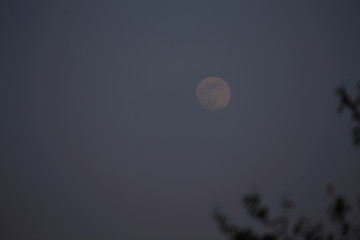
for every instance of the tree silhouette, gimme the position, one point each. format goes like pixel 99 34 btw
pixel 346 102
pixel 280 227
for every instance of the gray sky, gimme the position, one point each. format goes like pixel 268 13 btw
pixel 102 136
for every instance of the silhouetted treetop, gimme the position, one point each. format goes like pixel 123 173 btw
pixel 279 227
pixel 353 104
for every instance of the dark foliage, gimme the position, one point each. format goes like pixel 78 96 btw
pixel 279 227
pixel 346 102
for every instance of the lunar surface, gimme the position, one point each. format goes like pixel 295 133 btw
pixel 213 93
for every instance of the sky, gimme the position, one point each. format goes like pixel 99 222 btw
pixel 102 136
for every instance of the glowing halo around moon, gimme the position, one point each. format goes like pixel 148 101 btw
pixel 213 93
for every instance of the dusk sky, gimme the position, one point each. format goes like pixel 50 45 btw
pixel 102 136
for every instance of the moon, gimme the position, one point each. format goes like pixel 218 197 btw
pixel 213 93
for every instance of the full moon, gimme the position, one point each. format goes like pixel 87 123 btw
pixel 213 93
